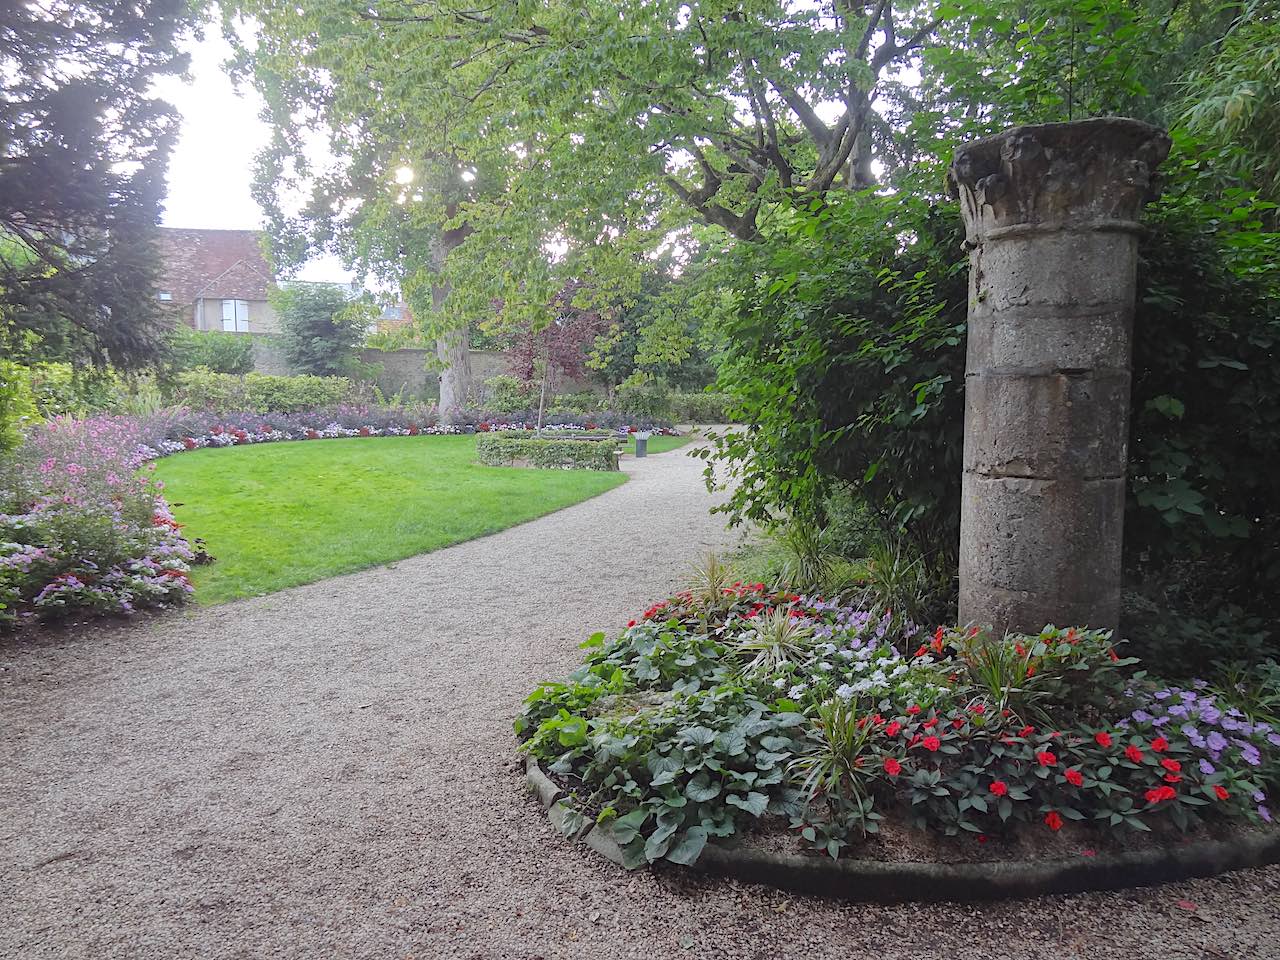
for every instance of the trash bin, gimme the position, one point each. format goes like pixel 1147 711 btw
pixel 642 442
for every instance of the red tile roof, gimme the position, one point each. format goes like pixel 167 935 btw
pixel 215 264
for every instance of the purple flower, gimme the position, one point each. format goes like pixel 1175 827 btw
pixel 1264 813
pixel 1160 721
pixel 1207 768
pixel 1162 695
pixel 1209 713
pixel 1259 796
pixel 1217 742
pixel 1273 739
pixel 1141 716
pixel 1251 756
pixel 1188 695
pixel 1230 723
pixel 1178 710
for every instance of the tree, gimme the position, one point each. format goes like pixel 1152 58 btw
pixel 321 327
pixel 83 149
pixel 561 140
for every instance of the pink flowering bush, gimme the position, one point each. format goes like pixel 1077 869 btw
pixel 83 528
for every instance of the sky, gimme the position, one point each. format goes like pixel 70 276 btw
pixel 211 168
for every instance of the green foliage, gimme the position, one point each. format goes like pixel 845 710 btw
pixel 701 408
pixel 507 394
pixel 17 405
pixel 260 393
pixel 510 447
pixel 321 326
pixel 212 349
pixel 644 401
pixel 576 403
pixel 725 709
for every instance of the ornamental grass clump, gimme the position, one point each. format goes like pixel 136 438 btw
pixel 758 709
pixel 83 528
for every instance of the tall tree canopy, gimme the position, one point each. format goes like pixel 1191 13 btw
pixel 563 138
pixel 83 149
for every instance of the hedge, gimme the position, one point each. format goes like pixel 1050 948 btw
pixel 700 408
pixel 260 392
pixel 586 452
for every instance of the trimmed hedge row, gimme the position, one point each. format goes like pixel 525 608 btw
pixel 564 452
pixel 260 392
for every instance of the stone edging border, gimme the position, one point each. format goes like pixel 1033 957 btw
pixel 884 882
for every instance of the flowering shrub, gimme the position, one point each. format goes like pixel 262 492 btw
pixel 720 708
pixel 177 429
pixel 81 530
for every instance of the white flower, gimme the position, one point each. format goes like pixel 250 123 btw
pixel 844 692
pixel 824 665
pixel 779 683
pixel 797 691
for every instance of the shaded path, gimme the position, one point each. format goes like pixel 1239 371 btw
pixel 328 772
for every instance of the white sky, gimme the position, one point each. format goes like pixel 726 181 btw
pixel 211 168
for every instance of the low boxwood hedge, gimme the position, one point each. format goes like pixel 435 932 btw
pixel 574 451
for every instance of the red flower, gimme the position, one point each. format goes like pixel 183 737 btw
pixel 958 722
pixel 189 443
pixel 1159 744
pixel 978 708
pixel 931 744
pixel 1053 820
pixel 1158 794
pixel 892 767
pixel 913 710
pixel 1020 649
pixel 1102 738
pixel 631 623
pixel 1027 731
pixel 1046 758
pixel 922 651
pixel 1170 764
pixel 1220 792
pixel 1031 670
pixel 893 728
pixel 999 788
pixel 1133 753
pixel 930 723
pixel 1172 778
pixel 1112 654
pixel 915 738
pixel 1075 777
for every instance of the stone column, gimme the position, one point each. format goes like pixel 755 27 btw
pixel 1050 216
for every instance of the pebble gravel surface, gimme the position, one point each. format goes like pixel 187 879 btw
pixel 329 772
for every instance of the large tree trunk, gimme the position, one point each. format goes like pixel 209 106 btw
pixel 453 350
pixel 453 347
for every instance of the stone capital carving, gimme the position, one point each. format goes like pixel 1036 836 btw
pixel 1090 173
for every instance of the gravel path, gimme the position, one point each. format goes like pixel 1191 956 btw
pixel 328 772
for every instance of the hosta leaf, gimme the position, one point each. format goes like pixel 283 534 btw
pixel 702 788
pixel 689 847
pixel 754 803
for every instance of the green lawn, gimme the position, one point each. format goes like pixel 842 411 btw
pixel 283 514
pixel 658 444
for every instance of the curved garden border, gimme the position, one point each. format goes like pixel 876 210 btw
pixel 884 882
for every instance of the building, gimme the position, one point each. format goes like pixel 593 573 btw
pixel 217 280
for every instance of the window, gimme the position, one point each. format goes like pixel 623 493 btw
pixel 163 295
pixel 235 316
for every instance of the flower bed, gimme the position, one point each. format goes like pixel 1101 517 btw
pixel 557 450
pixel 178 429
pixel 740 709
pixel 81 530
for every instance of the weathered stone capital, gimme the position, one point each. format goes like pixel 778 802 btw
pixel 1086 174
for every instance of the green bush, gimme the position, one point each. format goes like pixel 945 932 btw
pixel 700 408
pixel 321 327
pixel 212 349
pixel 553 451
pixel 17 406
pixel 507 394
pixel 582 402
pixel 60 388
pixel 644 401
pixel 260 392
